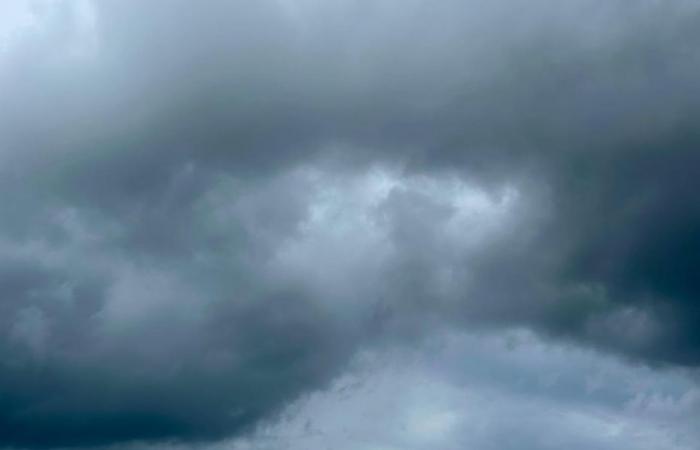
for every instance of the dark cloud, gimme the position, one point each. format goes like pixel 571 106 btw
pixel 208 209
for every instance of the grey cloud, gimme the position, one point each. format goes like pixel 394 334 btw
pixel 486 391
pixel 208 209
pixel 110 340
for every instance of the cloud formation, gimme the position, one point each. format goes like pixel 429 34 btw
pixel 209 210
pixel 490 391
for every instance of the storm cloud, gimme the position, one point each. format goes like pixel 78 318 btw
pixel 209 212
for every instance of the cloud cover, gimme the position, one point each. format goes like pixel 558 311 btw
pixel 209 209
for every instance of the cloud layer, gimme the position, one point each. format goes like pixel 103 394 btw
pixel 209 210
pixel 490 391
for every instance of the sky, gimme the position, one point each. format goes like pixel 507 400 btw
pixel 349 225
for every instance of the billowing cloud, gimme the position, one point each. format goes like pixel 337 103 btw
pixel 208 211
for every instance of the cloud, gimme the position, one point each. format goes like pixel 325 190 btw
pixel 208 210
pixel 483 391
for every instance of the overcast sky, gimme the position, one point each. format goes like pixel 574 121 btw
pixel 350 224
